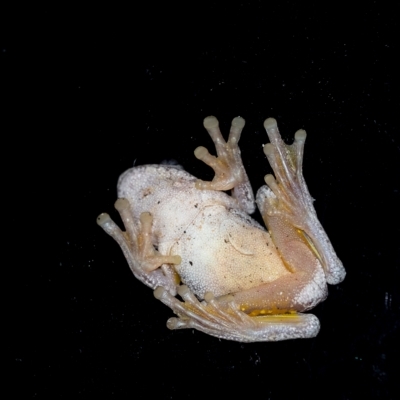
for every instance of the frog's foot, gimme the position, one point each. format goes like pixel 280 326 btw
pixel 289 200
pixel 136 244
pixel 228 165
pixel 228 322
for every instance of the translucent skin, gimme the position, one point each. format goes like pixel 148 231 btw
pixel 240 282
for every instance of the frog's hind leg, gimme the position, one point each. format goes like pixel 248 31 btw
pixel 227 321
pixel 136 244
pixel 288 201
pixel 228 165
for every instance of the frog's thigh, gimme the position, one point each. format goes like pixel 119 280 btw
pixel 297 291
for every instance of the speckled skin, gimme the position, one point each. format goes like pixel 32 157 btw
pixel 206 240
pixel 222 249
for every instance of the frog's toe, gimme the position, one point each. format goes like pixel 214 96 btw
pixel 227 321
pixel 228 166
pixel 287 198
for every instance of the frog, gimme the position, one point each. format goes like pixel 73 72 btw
pixel 219 270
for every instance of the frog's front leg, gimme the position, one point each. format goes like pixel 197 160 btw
pixel 228 166
pixel 137 246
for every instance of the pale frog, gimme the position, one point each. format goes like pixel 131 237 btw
pixel 236 280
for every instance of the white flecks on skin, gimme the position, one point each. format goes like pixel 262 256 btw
pixel 237 280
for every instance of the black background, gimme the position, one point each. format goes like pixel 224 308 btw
pixel 90 91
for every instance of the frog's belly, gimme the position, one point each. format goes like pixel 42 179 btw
pixel 223 253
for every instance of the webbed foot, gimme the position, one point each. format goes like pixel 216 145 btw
pixel 228 322
pixel 287 197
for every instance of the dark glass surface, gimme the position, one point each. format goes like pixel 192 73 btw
pixel 92 91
